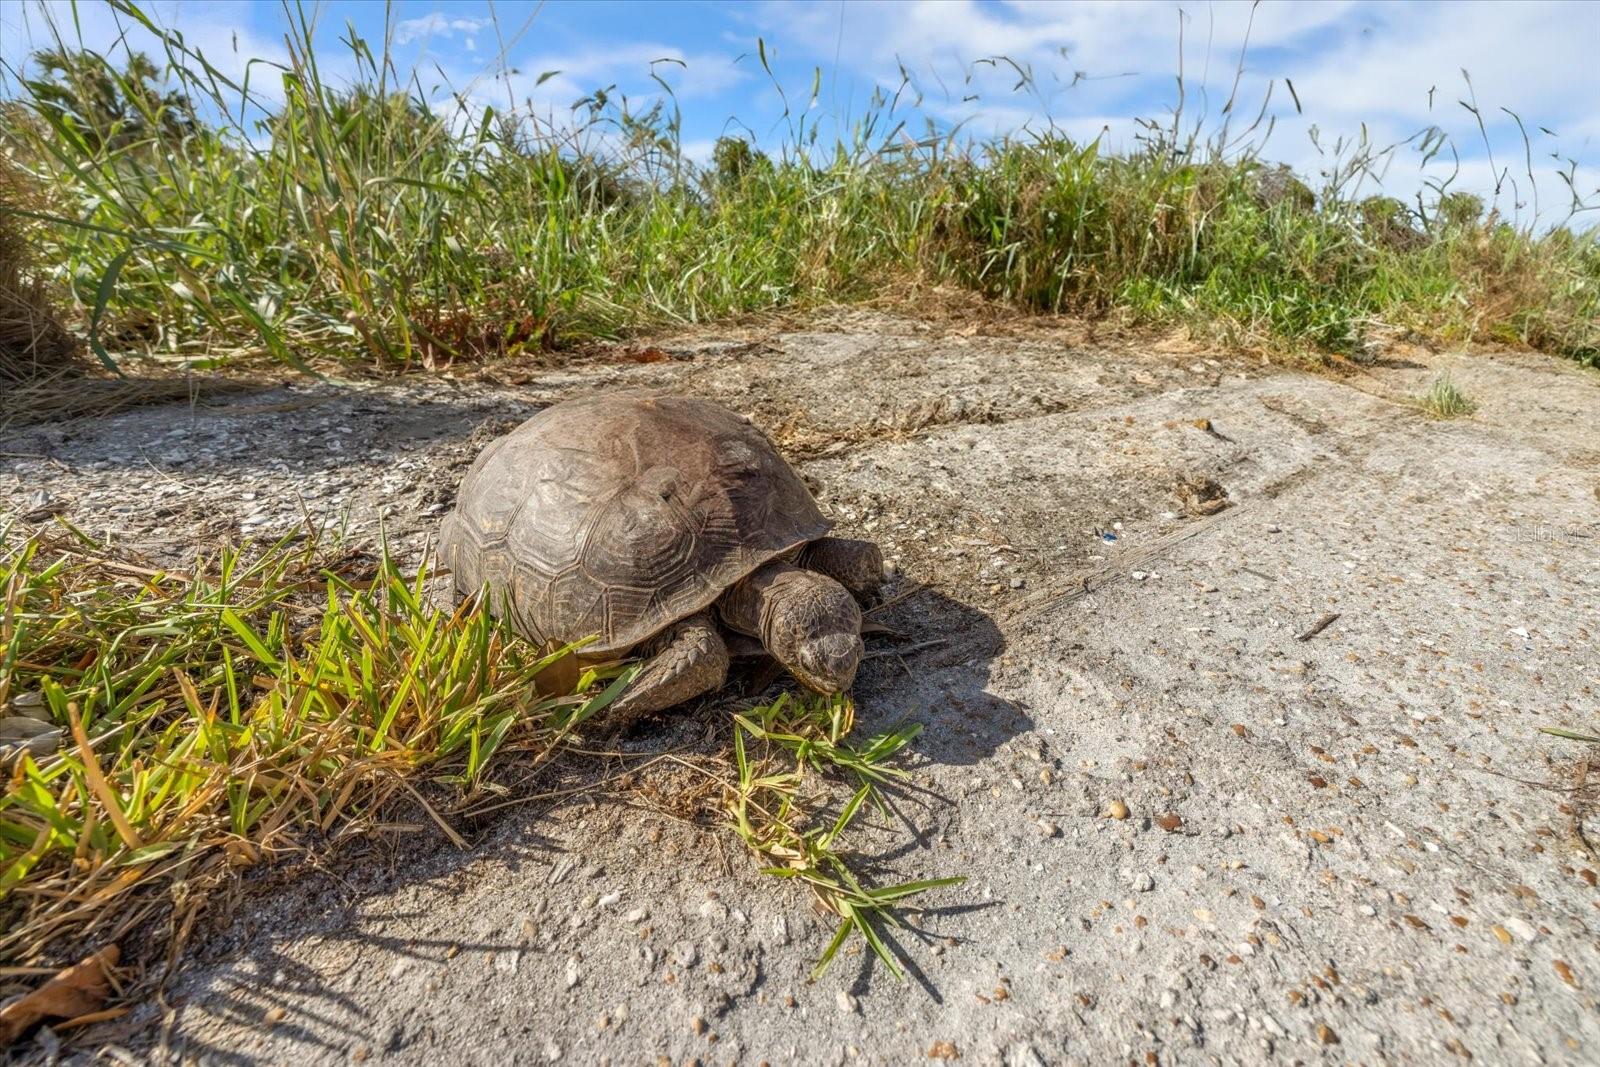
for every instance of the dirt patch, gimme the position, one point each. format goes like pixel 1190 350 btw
pixel 1354 846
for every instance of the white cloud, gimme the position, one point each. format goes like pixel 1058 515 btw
pixel 544 87
pixel 699 151
pixel 436 25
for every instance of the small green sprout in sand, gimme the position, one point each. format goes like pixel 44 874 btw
pixel 1445 400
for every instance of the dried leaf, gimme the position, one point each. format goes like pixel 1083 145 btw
pixel 646 355
pixel 22 728
pixel 78 990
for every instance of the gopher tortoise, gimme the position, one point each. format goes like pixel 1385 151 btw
pixel 664 527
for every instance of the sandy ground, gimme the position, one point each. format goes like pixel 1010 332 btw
pixel 1349 848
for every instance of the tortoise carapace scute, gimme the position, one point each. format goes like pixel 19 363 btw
pixel 620 515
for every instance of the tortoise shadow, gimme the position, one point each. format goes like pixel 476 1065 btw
pixel 938 673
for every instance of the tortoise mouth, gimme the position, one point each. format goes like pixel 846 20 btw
pixel 828 664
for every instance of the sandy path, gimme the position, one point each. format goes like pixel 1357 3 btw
pixel 1362 868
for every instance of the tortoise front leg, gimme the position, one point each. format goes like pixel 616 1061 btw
pixel 856 565
pixel 691 659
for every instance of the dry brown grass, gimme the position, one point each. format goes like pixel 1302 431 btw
pixel 75 394
pixel 34 342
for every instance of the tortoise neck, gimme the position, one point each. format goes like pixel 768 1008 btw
pixel 751 605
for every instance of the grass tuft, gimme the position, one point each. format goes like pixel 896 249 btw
pixel 1445 400
pixel 167 730
pixel 164 731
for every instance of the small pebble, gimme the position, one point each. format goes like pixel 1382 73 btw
pixel 846 1002
pixel 1116 810
pixel 276 1015
pixel 1048 828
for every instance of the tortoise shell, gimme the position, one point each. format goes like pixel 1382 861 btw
pixel 619 515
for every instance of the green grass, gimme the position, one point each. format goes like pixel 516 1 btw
pixel 186 726
pixel 1445 400
pixel 165 731
pixel 365 225
pixel 771 812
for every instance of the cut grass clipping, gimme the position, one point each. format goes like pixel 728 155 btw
pixel 1570 735
pixel 161 731
pixel 169 729
pixel 1445 400
pixel 769 810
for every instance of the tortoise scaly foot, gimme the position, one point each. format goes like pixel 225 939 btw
pixel 691 659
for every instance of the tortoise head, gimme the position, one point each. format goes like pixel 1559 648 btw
pixel 812 625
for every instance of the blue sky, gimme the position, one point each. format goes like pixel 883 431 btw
pixel 1391 68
